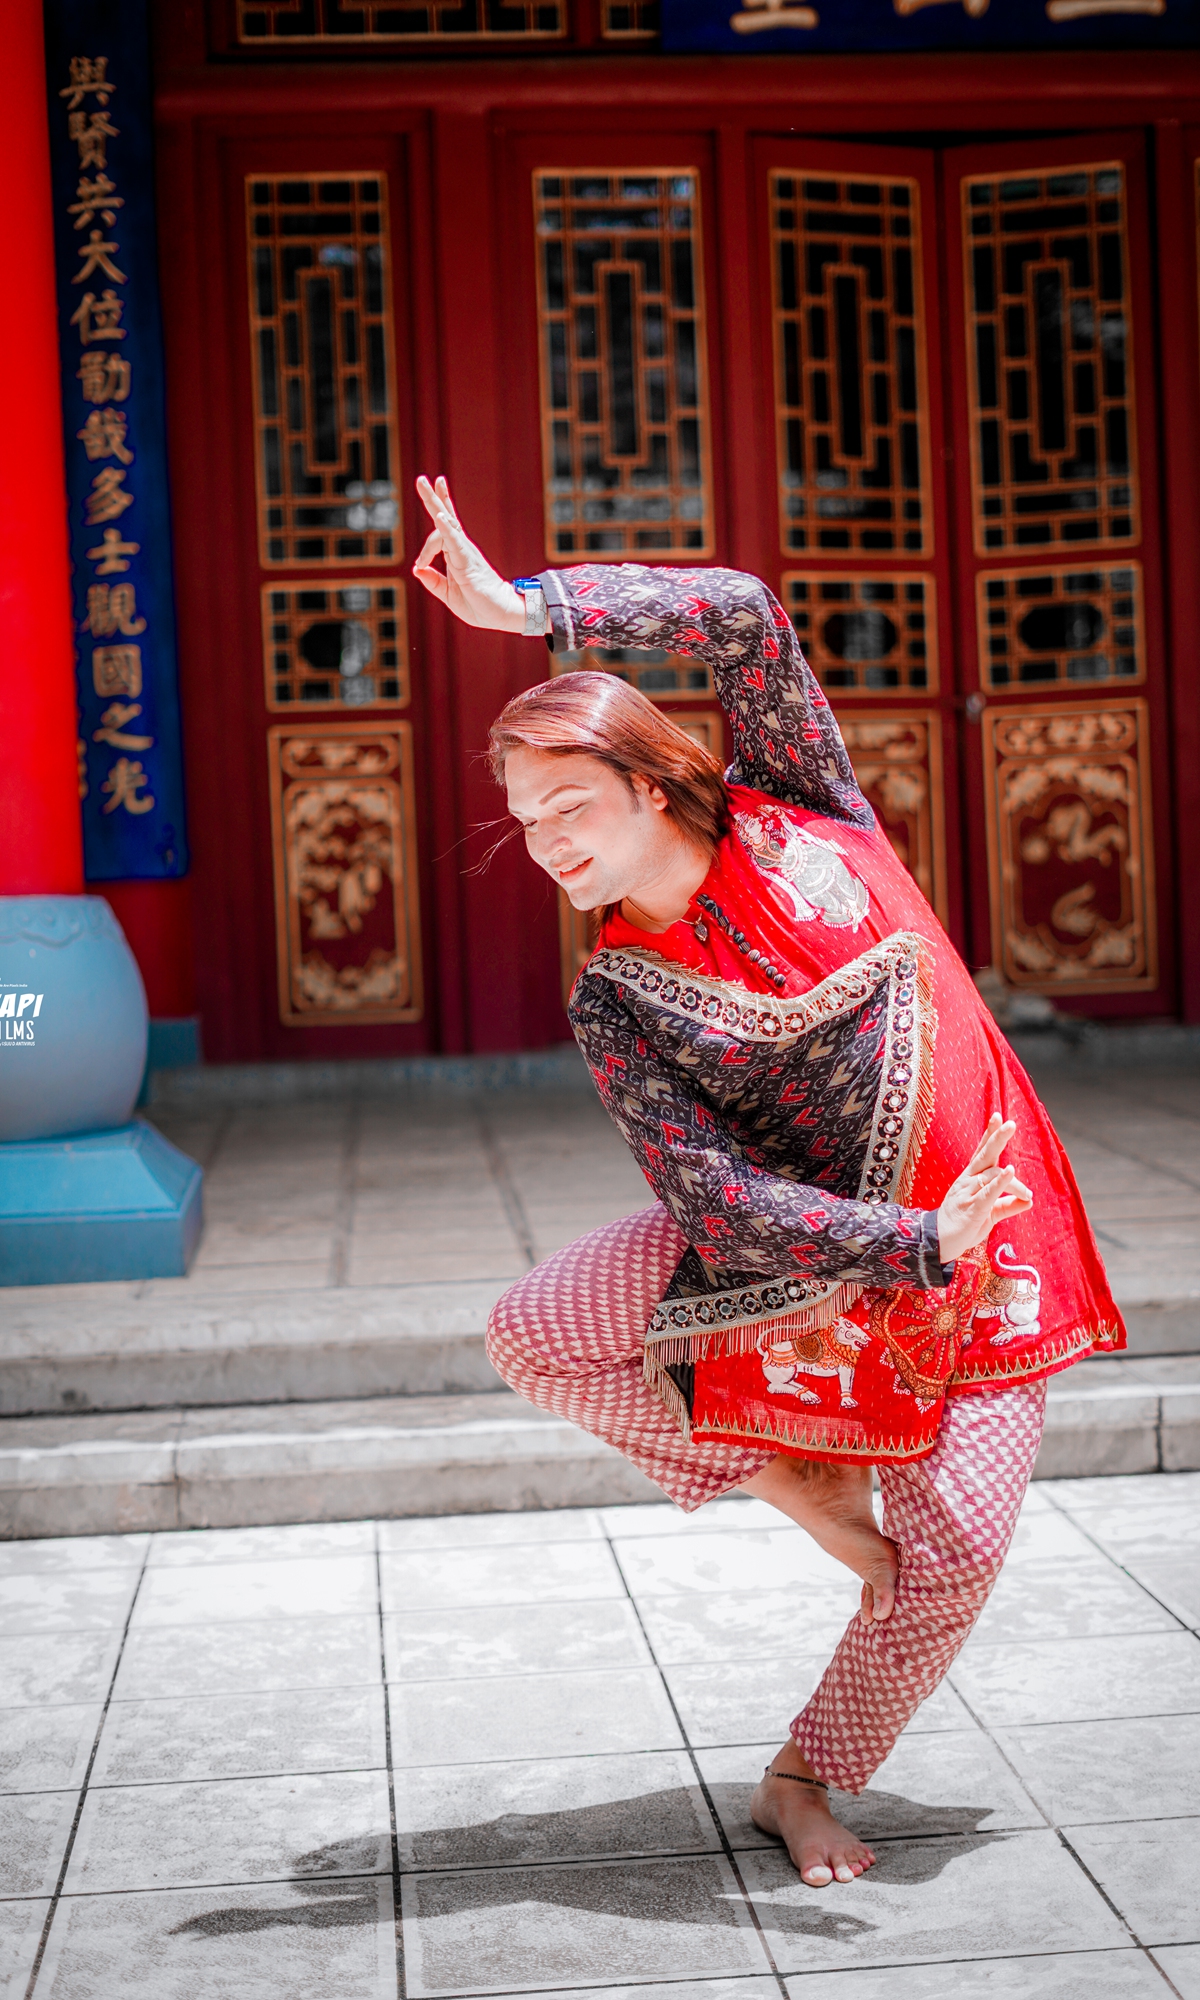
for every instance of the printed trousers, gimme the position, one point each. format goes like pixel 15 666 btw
pixel 568 1337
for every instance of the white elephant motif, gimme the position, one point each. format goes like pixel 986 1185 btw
pixel 1013 1295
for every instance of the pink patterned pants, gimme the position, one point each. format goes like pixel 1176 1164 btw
pixel 568 1337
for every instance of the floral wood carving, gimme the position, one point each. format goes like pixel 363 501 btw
pixel 346 912
pixel 897 760
pixel 1070 848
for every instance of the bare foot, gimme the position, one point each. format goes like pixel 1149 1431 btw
pixel 799 1815
pixel 833 1503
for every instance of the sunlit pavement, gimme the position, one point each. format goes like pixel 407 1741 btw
pixel 505 1753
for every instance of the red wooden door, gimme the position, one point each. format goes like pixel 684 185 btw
pixel 850 342
pixel 309 751
pixel 1058 604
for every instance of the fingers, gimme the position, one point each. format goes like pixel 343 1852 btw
pixel 433 581
pixel 995 1139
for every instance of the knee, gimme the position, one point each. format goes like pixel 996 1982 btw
pixel 512 1337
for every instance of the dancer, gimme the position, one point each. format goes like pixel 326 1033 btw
pixel 800 1063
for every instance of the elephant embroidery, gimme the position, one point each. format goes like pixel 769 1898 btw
pixel 832 1351
pixel 1012 1294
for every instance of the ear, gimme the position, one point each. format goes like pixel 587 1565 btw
pixel 653 793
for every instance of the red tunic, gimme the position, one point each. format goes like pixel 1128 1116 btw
pixel 809 895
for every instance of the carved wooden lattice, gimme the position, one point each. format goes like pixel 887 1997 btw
pixel 347 921
pixel 1070 850
pixel 897 760
pixel 872 631
pixel 340 21
pixel 1061 627
pixel 335 644
pixel 1053 446
pixel 625 431
pixel 324 398
pixel 662 676
pixel 851 399
pixel 630 20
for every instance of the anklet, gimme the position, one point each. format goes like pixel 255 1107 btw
pixel 794 1778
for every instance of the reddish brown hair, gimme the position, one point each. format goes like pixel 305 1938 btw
pixel 601 716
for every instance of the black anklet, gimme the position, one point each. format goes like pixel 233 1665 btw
pixel 794 1778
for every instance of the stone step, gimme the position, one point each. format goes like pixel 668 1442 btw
pixel 269 1464
pixel 146 1348
pixel 110 1347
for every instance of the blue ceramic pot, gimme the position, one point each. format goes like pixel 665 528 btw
pixel 72 1018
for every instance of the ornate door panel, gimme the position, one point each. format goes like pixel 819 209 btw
pixel 311 676
pixel 616 270
pixel 1059 613
pixel 851 348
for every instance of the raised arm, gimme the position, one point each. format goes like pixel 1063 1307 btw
pixel 786 740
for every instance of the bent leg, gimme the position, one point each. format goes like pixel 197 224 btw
pixel 952 1517
pixel 569 1338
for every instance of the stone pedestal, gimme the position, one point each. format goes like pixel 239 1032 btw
pixel 117 1204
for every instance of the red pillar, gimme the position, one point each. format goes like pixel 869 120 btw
pixel 41 842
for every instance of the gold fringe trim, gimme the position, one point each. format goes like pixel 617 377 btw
pixel 927 1041
pixel 1044 1360
pixel 667 1390
pixel 847 986
pixel 715 1343
pixel 872 1449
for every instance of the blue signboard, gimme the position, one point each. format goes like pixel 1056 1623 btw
pixel 776 27
pixel 110 342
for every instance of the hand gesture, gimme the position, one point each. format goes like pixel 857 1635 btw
pixel 470 587
pixel 984 1194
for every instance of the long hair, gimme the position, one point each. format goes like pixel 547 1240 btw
pixel 598 715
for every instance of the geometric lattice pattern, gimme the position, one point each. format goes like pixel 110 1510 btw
pixel 624 402
pixel 630 20
pixel 336 644
pixel 869 632
pixel 324 372
pixel 662 676
pixel 853 448
pixel 1070 853
pixel 1046 627
pixel 336 21
pixel 1053 456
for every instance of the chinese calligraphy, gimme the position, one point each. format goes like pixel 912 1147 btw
pixel 112 608
pixel 117 670
pixel 103 436
pixel 104 377
pixel 105 380
pixel 124 784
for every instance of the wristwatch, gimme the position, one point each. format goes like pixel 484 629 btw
pixel 535 605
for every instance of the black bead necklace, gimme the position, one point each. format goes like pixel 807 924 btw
pixel 742 942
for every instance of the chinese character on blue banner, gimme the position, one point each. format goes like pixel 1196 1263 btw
pixel 776 27
pixel 110 342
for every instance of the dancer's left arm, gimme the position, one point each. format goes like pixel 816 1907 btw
pixel 786 741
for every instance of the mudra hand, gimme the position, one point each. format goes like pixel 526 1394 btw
pixel 984 1194
pixel 470 588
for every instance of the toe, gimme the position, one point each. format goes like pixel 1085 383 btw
pixel 817 1874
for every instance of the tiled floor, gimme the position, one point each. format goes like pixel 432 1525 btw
pixel 230 1761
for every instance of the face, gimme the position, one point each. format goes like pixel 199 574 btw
pixel 595 838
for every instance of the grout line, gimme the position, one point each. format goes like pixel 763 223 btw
pixel 343 1221
pixel 397 1909
pixel 83 1791
pixel 506 1187
pixel 701 1781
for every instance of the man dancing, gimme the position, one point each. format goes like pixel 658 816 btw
pixel 800 1063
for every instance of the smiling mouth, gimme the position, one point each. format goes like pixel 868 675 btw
pixel 573 874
